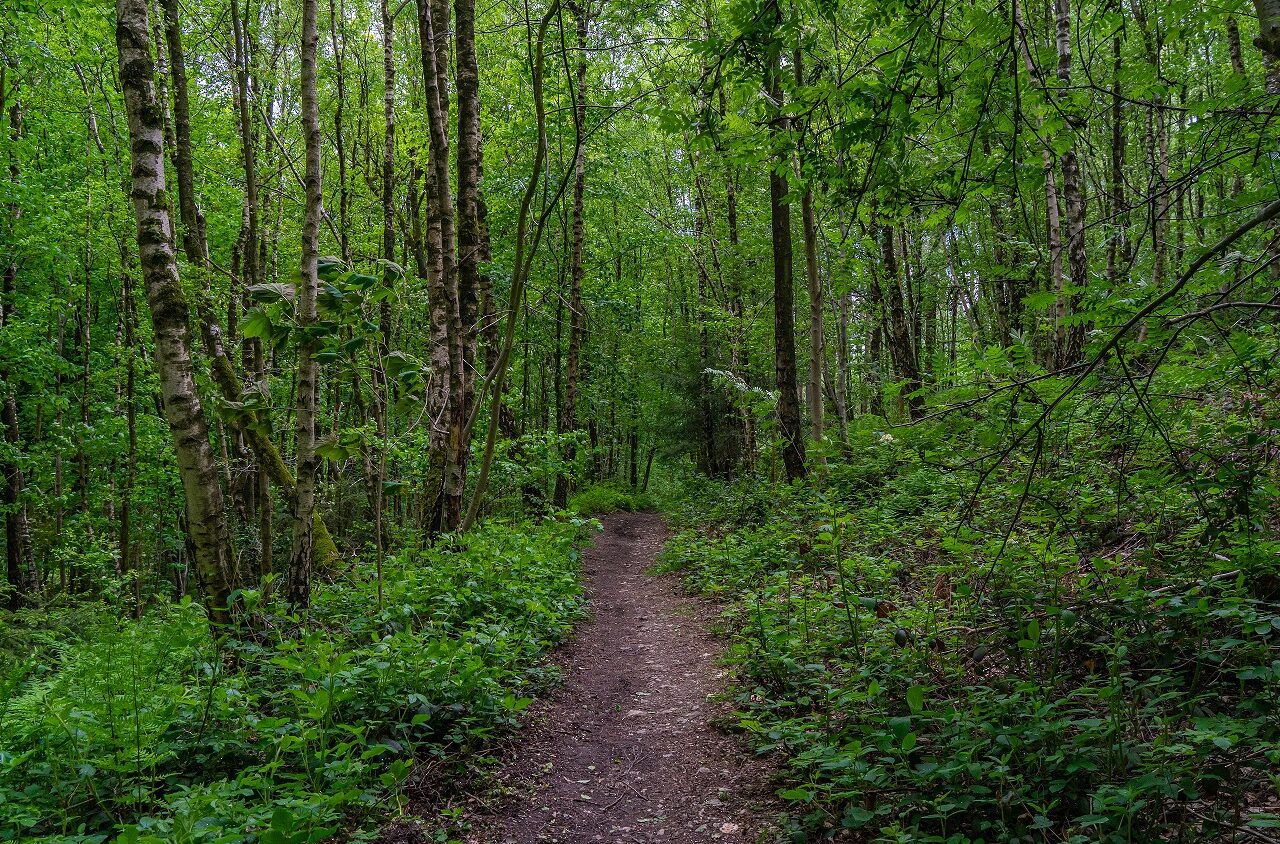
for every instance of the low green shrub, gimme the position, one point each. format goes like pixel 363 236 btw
pixel 600 499
pixel 151 731
pixel 927 679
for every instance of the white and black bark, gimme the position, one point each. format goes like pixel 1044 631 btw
pixel 206 519
pixel 446 316
pixel 300 563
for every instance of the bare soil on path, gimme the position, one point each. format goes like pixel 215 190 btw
pixel 625 750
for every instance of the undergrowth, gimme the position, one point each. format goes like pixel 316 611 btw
pixel 602 498
pixel 152 731
pixel 1075 655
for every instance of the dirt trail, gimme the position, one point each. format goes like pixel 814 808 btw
pixel 624 751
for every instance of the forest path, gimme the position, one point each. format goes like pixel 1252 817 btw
pixel 624 751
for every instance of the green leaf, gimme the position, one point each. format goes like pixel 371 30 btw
pixel 271 292
pixel 255 324
pixel 333 452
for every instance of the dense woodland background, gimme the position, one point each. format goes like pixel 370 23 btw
pixel 945 331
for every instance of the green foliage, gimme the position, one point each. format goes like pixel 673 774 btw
pixel 1110 672
pixel 153 731
pixel 608 498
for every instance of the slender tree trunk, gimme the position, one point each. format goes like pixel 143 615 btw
pixel 1054 226
pixel 338 40
pixel 1268 40
pixel 20 572
pixel 840 307
pixel 194 242
pixel 19 557
pixel 784 331
pixel 252 273
pixel 1072 339
pixel 1116 247
pixel 902 348
pixel 206 520
pixel 382 388
pixel 253 260
pixel 817 342
pixel 127 561
pixel 713 465
pixel 568 417
pixel 84 336
pixel 809 226
pixel 1233 46
pixel 1006 292
pixel 298 589
pixel 526 248
pixel 433 36
pixel 472 236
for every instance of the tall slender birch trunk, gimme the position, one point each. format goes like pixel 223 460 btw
pixel 206 519
pixel 298 588
pixel 433 27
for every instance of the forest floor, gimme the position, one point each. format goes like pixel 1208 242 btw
pixel 625 750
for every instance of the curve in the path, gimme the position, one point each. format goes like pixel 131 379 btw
pixel 624 752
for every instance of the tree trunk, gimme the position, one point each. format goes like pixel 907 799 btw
pixel 817 343
pixel 194 242
pixel 809 226
pixel 206 520
pixel 382 388
pixel 19 559
pixel 1233 46
pixel 902 349
pixel 840 307
pixel 252 272
pixel 433 37
pixel 127 561
pixel 472 234
pixel 568 416
pixel 337 20
pixel 1116 249
pixel 784 330
pixel 1268 40
pixel 20 571
pixel 298 590
pixel 1054 226
pixel 1071 348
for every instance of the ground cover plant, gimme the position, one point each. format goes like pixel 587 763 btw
pixel 156 731
pixel 1080 653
